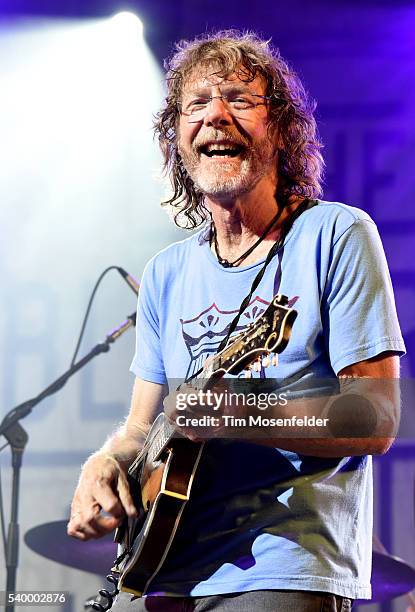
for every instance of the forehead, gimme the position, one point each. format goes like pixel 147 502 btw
pixel 205 78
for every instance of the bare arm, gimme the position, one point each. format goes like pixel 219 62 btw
pixel 385 368
pixel 103 483
pixel 360 420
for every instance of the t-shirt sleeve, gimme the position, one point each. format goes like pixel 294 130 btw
pixel 148 361
pixel 358 308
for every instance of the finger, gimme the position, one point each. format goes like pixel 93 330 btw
pixel 116 505
pixel 189 433
pixel 102 525
pixel 125 496
pixel 78 529
pixel 81 533
pixel 108 500
pixel 72 527
pixel 170 406
pixel 104 492
pixel 91 527
pixel 87 533
pixel 84 519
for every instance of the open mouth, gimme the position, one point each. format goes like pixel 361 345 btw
pixel 221 149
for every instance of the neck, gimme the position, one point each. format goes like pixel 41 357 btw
pixel 240 221
pixel 242 218
pixel 243 257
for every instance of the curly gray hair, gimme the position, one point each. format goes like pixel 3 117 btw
pixel 300 163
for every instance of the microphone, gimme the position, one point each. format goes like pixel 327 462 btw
pixel 130 280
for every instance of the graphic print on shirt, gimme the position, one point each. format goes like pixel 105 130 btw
pixel 203 333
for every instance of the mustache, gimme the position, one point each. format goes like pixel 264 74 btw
pixel 207 137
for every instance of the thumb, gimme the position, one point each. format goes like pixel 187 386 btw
pixel 125 495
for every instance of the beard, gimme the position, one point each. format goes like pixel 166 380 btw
pixel 232 176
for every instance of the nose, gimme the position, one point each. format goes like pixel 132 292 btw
pixel 217 113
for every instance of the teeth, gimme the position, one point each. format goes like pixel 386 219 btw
pixel 221 147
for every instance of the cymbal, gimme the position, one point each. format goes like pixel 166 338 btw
pixel 51 541
pixel 391 577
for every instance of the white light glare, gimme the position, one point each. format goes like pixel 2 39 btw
pixel 127 24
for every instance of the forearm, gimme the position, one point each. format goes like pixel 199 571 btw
pixel 103 484
pixel 325 447
pixel 360 416
pixel 125 443
pixel 363 418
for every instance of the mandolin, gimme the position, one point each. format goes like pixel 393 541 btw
pixel 161 476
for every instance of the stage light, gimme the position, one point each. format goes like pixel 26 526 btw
pixel 127 24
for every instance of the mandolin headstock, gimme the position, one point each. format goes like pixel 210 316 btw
pixel 269 334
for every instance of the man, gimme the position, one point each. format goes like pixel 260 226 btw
pixel 279 524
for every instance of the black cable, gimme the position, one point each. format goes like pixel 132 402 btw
pixel 3 526
pixel 84 322
pixel 81 334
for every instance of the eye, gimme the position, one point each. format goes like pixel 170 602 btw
pixel 241 101
pixel 197 104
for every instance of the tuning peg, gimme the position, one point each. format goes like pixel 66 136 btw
pixel 257 365
pixel 274 359
pixel 266 361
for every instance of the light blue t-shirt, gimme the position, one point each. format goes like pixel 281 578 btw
pixel 259 517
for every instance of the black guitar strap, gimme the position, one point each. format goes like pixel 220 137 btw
pixel 305 205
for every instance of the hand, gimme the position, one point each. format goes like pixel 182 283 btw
pixel 174 408
pixel 199 415
pixel 102 486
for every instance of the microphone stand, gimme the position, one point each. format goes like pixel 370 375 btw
pixel 17 437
